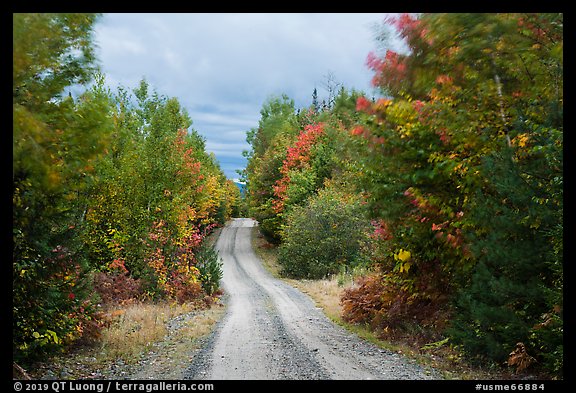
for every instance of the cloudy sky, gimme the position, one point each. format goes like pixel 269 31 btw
pixel 223 67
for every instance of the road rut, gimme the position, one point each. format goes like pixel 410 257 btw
pixel 271 330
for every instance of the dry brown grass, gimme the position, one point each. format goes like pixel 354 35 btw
pixel 142 340
pixel 135 327
pixel 326 293
pixel 172 356
pixel 267 252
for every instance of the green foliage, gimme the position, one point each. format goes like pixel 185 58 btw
pixel 56 142
pixel 277 117
pixel 111 192
pixel 515 290
pixel 302 185
pixel 292 155
pixel 156 195
pixel 209 264
pixel 463 167
pixel 51 52
pixel 323 235
pixel 276 130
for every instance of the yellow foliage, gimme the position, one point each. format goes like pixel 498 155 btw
pixel 521 140
pixel 402 255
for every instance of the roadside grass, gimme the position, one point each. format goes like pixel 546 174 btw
pixel 135 327
pixel 131 332
pixel 171 355
pixel 326 293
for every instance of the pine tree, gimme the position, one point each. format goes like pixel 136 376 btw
pixel 315 107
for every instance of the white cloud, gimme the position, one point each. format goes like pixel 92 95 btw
pixel 229 149
pixel 224 119
pixel 222 67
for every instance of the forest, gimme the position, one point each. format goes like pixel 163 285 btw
pixel 443 193
pixel 113 192
pixel 447 189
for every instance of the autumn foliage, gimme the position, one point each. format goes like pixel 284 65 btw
pixel 113 193
pixel 458 167
pixel 455 180
pixel 297 157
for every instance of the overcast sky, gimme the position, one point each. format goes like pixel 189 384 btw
pixel 223 67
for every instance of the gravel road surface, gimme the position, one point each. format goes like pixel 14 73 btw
pixel 271 330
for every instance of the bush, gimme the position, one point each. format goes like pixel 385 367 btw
pixel 210 266
pixel 323 235
pixel 51 300
pixel 116 287
pixel 381 302
pixel 184 289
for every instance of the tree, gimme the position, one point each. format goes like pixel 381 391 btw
pixel 158 193
pixel 333 88
pixel 315 106
pixel 56 142
pixel 451 158
pixel 278 125
pixel 294 166
pixel 304 149
pixel 277 115
pixel 108 190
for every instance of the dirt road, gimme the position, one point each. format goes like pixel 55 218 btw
pixel 273 331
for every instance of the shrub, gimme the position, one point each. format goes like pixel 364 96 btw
pixel 323 235
pixel 50 302
pixel 210 266
pixel 360 304
pixel 116 287
pixel 185 289
pixel 383 302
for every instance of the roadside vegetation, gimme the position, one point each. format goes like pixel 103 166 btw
pixel 113 196
pixel 136 339
pixel 428 215
pixel 443 356
pixel 139 340
pixel 445 189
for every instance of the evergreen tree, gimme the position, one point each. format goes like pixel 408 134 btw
pixel 315 106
